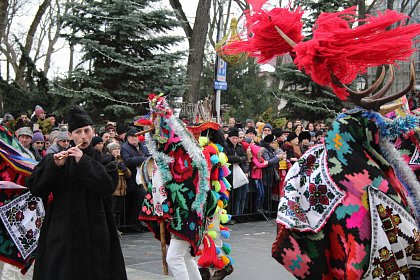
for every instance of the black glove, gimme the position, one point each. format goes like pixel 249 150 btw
pixel 122 166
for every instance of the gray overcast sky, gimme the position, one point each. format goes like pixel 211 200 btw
pixel 60 59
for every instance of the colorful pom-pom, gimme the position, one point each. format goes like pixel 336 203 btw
pixel 203 141
pixel 226 248
pixel 225 260
pixel 224 218
pixel 223 158
pixel 220 204
pixel 214 159
pixel 225 234
pixel 212 234
pixel 217 186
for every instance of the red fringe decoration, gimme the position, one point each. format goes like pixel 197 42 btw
pixel 265 42
pixel 256 4
pixel 208 256
pixel 346 51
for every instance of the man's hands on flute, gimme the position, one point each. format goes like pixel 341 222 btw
pixel 60 158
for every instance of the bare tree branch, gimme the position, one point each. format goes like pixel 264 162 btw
pixel 180 15
pixel 213 25
pixel 9 57
pixel 241 4
pixel 225 27
pixel 413 9
pixel 369 9
pixel 29 40
pixel 4 4
pixel 53 35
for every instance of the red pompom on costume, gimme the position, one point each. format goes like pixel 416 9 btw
pixel 336 47
pixel 344 51
pixel 264 41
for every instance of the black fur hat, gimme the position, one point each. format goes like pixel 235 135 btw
pixel 78 118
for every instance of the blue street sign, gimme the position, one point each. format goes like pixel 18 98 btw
pixel 220 85
pixel 221 70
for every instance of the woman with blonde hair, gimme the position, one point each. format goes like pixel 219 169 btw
pixel 259 136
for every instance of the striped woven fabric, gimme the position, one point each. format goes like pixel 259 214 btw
pixel 14 169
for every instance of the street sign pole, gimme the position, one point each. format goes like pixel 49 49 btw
pixel 220 76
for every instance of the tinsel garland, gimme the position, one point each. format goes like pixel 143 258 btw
pixel 161 113
pixel 391 129
pixel 404 174
pixel 162 160
pixel 194 150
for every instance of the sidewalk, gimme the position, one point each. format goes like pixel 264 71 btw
pixel 251 249
pixel 132 274
pixel 142 258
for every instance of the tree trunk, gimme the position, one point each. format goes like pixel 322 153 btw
pixel 197 43
pixel 29 41
pixel 196 40
pixel 3 20
pixel 71 61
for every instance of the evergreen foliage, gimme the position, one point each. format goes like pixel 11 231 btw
pixel 36 92
pixel 247 95
pixel 125 56
pixel 315 8
pixel 305 99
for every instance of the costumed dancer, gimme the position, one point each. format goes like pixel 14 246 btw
pixel 21 213
pixel 351 206
pixel 179 195
pixel 214 255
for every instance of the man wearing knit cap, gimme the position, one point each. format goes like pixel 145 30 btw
pixel 78 238
pixel 38 114
pixel 7 121
pixel 38 145
pixel 267 129
pixel 61 141
pixel 249 124
pixel 24 135
pixel 98 143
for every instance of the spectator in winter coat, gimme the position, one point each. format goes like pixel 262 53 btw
pixel 133 154
pixel 123 175
pixel 38 144
pixel 270 172
pixel 62 142
pixel 236 155
pixel 258 163
pixel 291 147
pixel 24 135
pixel 98 143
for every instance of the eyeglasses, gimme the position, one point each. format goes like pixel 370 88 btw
pixel 39 142
pixel 65 141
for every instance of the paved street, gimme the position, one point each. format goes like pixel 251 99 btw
pixel 251 249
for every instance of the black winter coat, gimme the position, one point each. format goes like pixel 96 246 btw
pixel 268 173
pixel 78 237
pixel 235 155
pixel 132 159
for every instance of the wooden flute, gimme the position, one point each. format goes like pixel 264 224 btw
pixel 78 145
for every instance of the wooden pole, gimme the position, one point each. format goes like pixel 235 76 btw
pixel 163 246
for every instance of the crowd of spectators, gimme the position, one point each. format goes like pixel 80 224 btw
pixel 43 134
pixel 264 153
